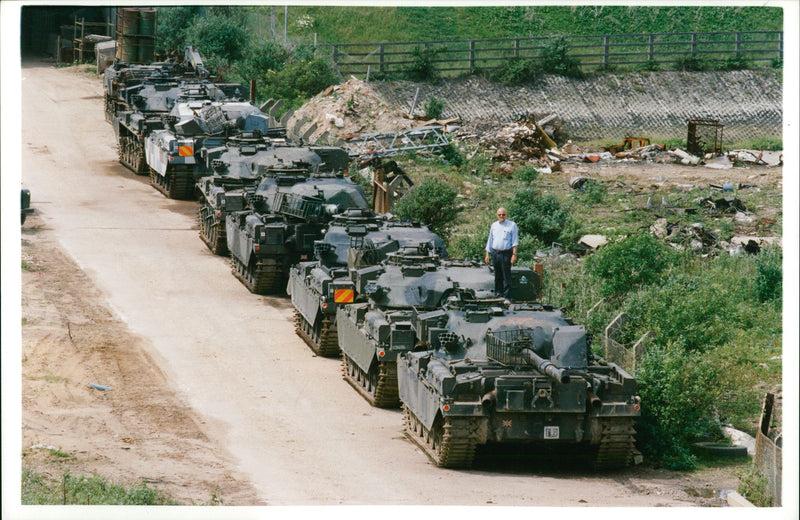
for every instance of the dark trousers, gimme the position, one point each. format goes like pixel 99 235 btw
pixel 502 273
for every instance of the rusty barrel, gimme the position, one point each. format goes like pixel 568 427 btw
pixel 147 22
pixel 129 23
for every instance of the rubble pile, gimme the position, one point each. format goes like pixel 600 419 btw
pixel 345 110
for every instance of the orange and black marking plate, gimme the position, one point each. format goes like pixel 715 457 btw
pixel 343 296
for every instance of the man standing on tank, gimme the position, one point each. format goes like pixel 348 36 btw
pixel 502 246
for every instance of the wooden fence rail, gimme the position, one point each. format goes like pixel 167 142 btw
pixel 458 57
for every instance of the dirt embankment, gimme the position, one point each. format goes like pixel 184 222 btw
pixel 139 429
pixel 607 108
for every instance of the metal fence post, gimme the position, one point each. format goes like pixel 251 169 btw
pixel 780 45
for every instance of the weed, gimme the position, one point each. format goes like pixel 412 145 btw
pixel 433 107
pixel 24 321
pixel 754 487
pixel 26 266
pixel 526 173
pixel 423 64
pixel 37 489
pixel 691 63
pixel 649 66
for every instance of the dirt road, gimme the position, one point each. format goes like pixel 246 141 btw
pixel 212 397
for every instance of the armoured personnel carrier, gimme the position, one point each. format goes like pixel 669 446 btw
pixel 240 163
pixel 518 373
pixel 372 334
pixel 355 238
pixel 192 129
pixel 282 219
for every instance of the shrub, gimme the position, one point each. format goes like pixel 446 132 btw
pixel 690 63
pixel 554 59
pixel 538 215
pixel 299 80
pixel 172 25
pixel 515 71
pixel 261 58
pixel 526 173
pixel 433 202
pixel 632 262
pixel 754 487
pixel 650 66
pixel 593 192
pixel 737 62
pixel 218 35
pixel 776 63
pixel 452 155
pixel 423 66
pixel 677 405
pixel 769 274
pixel 433 107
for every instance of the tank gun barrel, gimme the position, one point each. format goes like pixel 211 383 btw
pixel 546 367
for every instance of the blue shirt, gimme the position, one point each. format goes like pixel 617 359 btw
pixel 502 236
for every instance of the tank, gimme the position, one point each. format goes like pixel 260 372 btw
pixel 174 153
pixel 239 164
pixel 373 333
pixel 517 374
pixel 355 238
pixel 282 219
pixel 138 95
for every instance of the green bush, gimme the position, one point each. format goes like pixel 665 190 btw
pixel 219 35
pixel 650 66
pixel 173 23
pixel 433 107
pixel 452 155
pixel 737 62
pixel 515 71
pixel 298 81
pixel 678 404
pixel 261 58
pixel 769 274
pixel 423 67
pixel 554 59
pixel 593 192
pixel 538 214
pixel 525 173
pixel 625 265
pixel 433 202
pixel 691 63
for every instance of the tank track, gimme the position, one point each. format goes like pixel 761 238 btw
pixel 616 447
pixel 131 155
pixel 175 185
pixel 212 233
pixel 378 387
pixel 259 277
pixel 452 442
pixel 323 339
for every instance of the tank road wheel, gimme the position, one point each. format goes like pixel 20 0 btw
pixel 616 448
pixel 131 155
pixel 378 386
pixel 258 277
pixel 450 442
pixel 175 185
pixel 321 337
pixel 212 233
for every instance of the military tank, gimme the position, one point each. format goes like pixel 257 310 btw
pixel 137 96
pixel 519 373
pixel 240 163
pixel 373 333
pixel 355 238
pixel 174 153
pixel 282 219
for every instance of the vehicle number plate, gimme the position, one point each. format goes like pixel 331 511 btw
pixel 551 432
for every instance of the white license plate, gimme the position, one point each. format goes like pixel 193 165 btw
pixel 551 432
